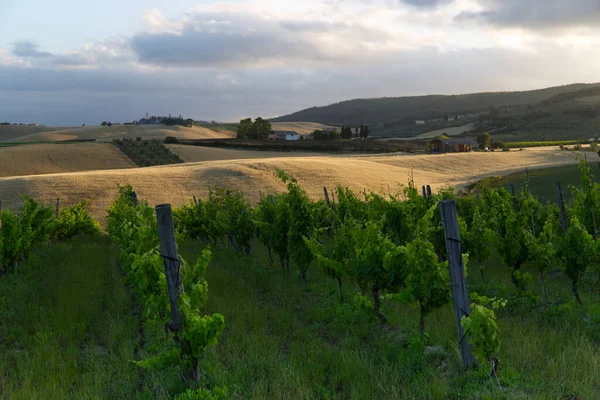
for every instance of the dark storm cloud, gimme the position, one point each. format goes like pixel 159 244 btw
pixel 29 49
pixel 536 14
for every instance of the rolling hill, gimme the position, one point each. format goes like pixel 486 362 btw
pixel 28 134
pixel 374 111
pixel 39 159
pixel 178 183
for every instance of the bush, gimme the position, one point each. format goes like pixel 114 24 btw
pixel 73 221
pixel 171 140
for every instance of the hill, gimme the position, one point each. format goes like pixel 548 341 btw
pixel 12 134
pixel 398 109
pixel 37 159
pixel 201 153
pixel 178 183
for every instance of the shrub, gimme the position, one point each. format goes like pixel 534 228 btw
pixel 73 221
pixel 171 140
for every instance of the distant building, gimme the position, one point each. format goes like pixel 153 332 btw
pixel 284 135
pixel 150 121
pixel 419 122
pixel 459 145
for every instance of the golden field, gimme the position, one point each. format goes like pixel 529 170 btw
pixel 28 134
pixel 303 128
pixel 38 159
pixel 178 183
pixel 25 134
pixel 205 153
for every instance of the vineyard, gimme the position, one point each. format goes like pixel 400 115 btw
pixel 350 296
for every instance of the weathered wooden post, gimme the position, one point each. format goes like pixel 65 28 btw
pixel 168 249
pixel 57 206
pixel 134 198
pixel 428 191
pixel 326 195
pixel 514 197
pixel 424 192
pixel 561 205
pixel 460 295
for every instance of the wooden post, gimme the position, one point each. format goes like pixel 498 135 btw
pixel 424 192
pixel 428 191
pixel 460 295
pixel 134 198
pixel 514 197
pixel 168 249
pixel 326 195
pixel 57 206
pixel 561 205
pixel 529 191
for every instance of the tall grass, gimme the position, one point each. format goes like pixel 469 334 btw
pixel 284 340
pixel 69 327
pixel 66 325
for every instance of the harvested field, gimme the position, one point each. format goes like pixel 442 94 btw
pixel 105 133
pixel 303 128
pixel 38 159
pixel 453 131
pixel 199 153
pixel 177 183
pixel 26 134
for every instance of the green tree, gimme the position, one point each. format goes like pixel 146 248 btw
pixel 364 131
pixel 346 133
pixel 320 135
pixel 484 140
pixel 261 128
pixel 244 128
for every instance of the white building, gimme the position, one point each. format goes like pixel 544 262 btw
pixel 284 135
pixel 419 122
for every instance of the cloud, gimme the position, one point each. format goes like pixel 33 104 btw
pixel 64 97
pixel 232 39
pixel 426 3
pixel 535 14
pixel 28 48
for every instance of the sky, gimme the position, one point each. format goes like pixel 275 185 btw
pixel 72 62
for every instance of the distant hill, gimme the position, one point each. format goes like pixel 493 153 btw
pixel 398 109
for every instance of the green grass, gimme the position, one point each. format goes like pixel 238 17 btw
pixel 66 325
pixel 543 181
pixel 146 153
pixel 284 340
pixel 69 328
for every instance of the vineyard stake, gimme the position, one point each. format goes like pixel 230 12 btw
pixel 460 295
pixel 168 249
pixel 561 204
pixel 428 192
pixel 326 195
pixel 57 206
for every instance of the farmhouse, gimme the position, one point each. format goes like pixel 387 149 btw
pixel 284 135
pixel 459 145
pixel 419 122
